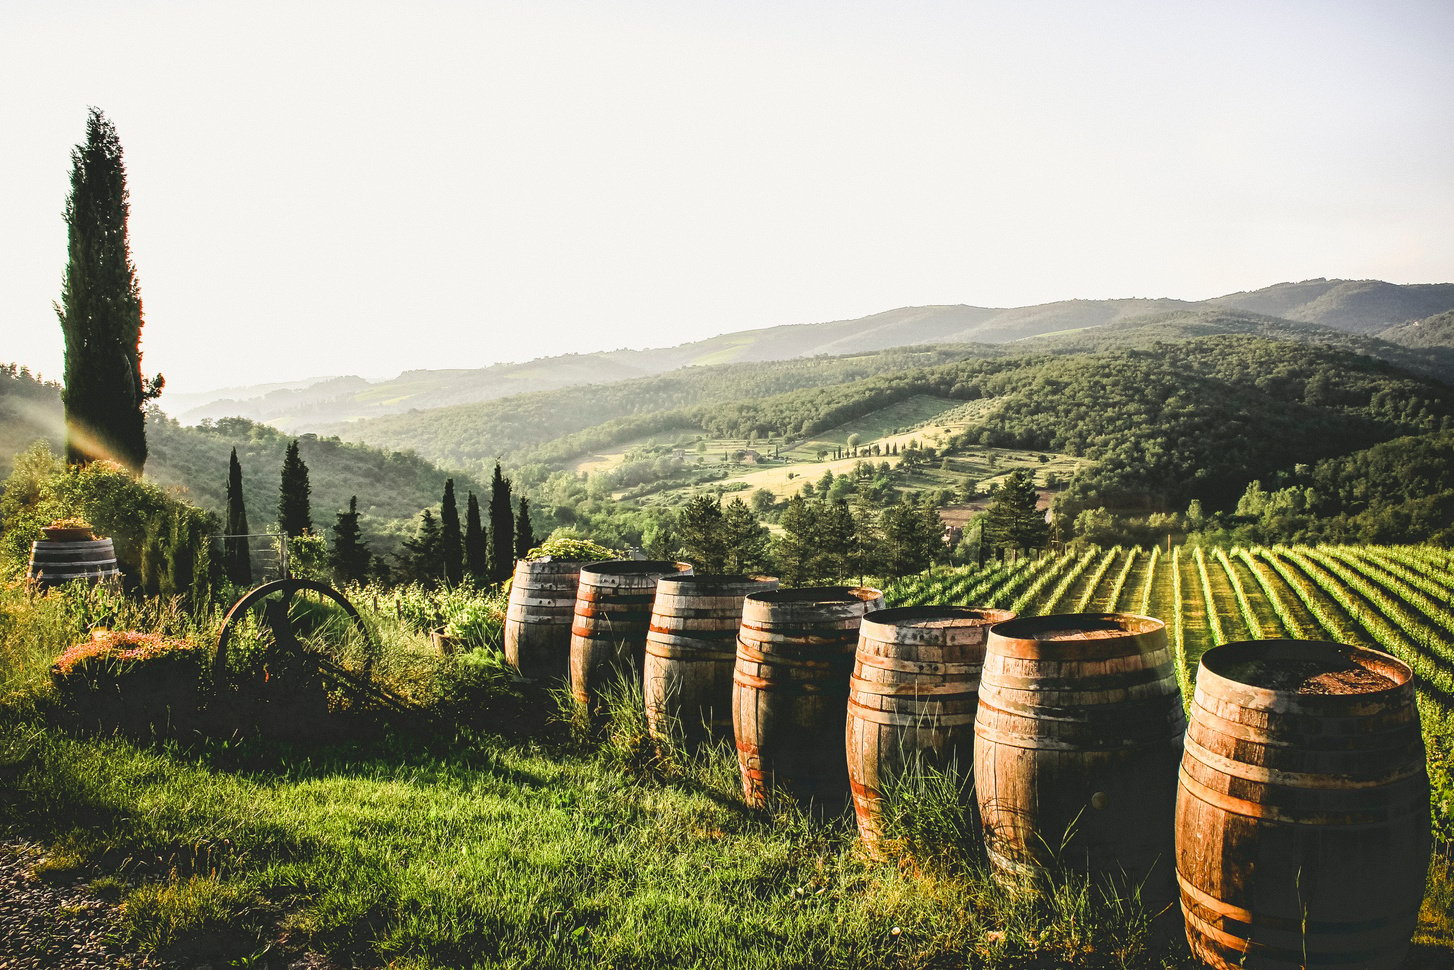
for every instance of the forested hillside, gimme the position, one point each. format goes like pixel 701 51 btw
pixel 391 487
pixel 525 427
pixel 1363 306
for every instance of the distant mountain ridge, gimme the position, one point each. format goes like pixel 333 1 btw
pixel 1355 306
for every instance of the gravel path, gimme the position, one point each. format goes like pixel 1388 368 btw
pixel 48 923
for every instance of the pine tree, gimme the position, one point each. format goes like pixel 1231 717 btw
pixel 524 531
pixel 746 538
pixel 293 514
pixel 421 560
pixel 349 558
pixel 699 532
pixel 100 310
pixel 451 541
pixel 476 553
pixel 797 548
pixel 236 554
pixel 1012 520
pixel 502 529
pixel 841 551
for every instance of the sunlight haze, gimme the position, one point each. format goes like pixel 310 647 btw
pixel 364 188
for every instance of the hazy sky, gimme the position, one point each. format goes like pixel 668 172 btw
pixel 355 187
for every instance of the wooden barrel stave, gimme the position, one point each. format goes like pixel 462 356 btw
pixel 1306 845
pixel 539 616
pixel 1079 771
pixel 612 620
pixel 913 698
pixel 55 562
pixel 691 650
pixel 790 691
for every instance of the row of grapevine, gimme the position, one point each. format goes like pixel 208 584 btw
pixel 1393 598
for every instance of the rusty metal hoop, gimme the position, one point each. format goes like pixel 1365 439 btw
pixel 285 590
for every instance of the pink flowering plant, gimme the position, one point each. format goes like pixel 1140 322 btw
pixel 125 678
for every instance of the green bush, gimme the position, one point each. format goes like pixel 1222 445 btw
pixel 130 680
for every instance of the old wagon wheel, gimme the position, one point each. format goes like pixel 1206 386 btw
pixel 277 610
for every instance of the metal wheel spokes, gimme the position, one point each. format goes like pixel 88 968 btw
pixel 272 608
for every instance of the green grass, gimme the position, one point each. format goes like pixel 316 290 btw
pixel 485 846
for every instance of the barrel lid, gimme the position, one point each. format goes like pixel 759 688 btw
pixel 934 616
pixel 1077 626
pixel 827 595
pixel 703 583
pixel 1305 669
pixel 635 567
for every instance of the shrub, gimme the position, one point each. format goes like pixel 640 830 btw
pixel 129 679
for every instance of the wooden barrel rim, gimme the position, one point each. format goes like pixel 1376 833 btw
pixel 1216 661
pixel 633 567
pixel 815 596
pixel 933 617
pixel 708 584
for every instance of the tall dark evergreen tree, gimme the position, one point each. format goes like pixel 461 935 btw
pixel 502 529
pixel 236 555
pixel 524 531
pixel 747 538
pixel 349 557
pixel 1012 521
pixel 700 535
pixel 421 560
pixel 451 542
pixel 476 553
pixel 293 515
pixel 100 310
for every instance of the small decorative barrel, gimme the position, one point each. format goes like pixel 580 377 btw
pixel 612 617
pixel 790 691
pixel 539 616
pixel 1077 739
pixel 912 698
pixel 53 563
pixel 1302 818
pixel 690 653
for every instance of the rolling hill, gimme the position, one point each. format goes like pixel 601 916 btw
pixel 1365 306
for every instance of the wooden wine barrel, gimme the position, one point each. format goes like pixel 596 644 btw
pixel 690 653
pixel 1076 743
pixel 1302 815
pixel 539 616
pixel 53 563
pixel 912 698
pixel 612 617
pixel 790 691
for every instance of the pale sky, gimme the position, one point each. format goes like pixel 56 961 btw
pixel 364 187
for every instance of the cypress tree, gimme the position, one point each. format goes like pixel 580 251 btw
pixel 350 555
pixel 236 555
pixel 476 555
pixel 293 514
pixel 450 540
pixel 502 529
pixel 100 310
pixel 524 531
